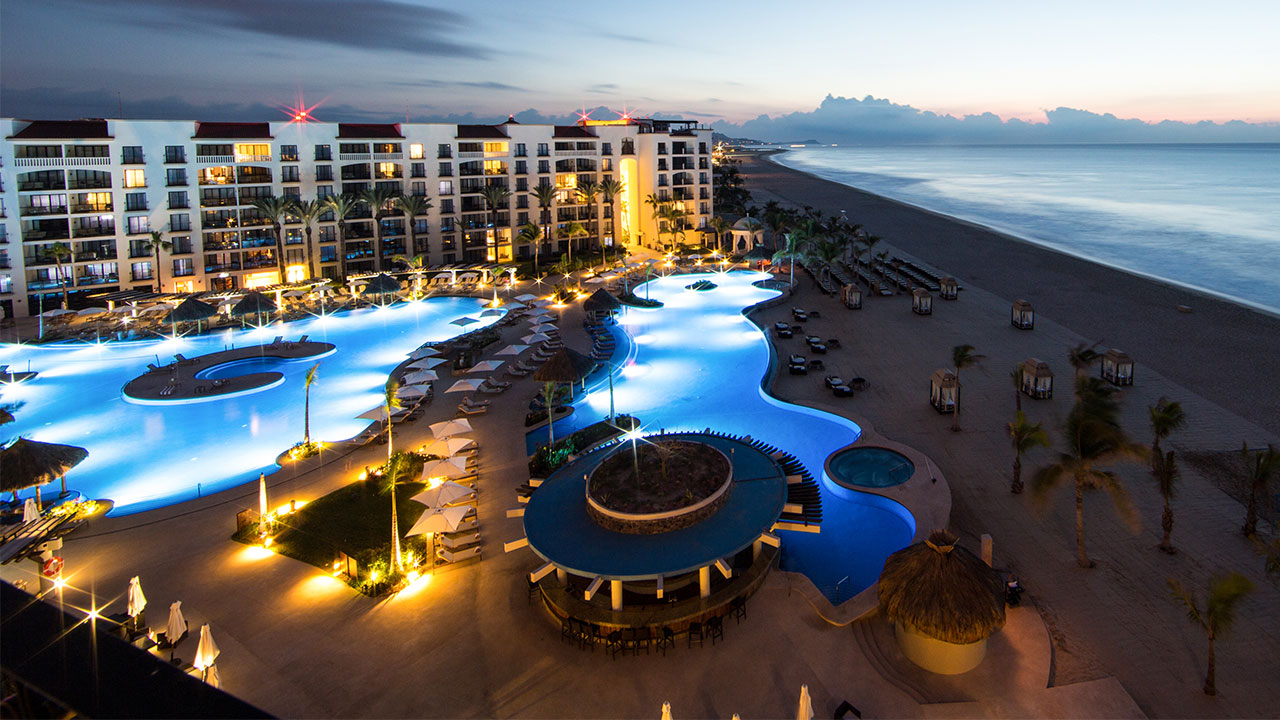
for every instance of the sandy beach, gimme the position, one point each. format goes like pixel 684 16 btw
pixel 1223 350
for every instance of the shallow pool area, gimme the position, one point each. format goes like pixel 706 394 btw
pixel 870 467
pixel 149 456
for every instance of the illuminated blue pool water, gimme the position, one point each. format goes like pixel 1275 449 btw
pixel 872 467
pixel 698 363
pixel 143 456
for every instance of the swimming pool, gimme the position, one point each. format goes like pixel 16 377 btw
pixel 698 363
pixel 870 467
pixel 148 456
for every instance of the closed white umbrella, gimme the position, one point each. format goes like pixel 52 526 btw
pixel 512 350
pixel 424 352
pixel 136 601
pixel 464 321
pixel 212 677
pixel 666 711
pixel 452 467
pixel 445 428
pixel 805 710
pixel 207 651
pixel 465 386
pixel 420 376
pixel 30 511
pixel 440 519
pixel 426 363
pixel 446 493
pixel 177 625
pixel 486 366
pixel 447 447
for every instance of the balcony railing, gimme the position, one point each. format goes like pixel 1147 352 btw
pixel 88 232
pixel 252 158
pixel 98 280
pixel 43 210
pixel 563 153
pixel 216 159
pixel 61 162
pixel 29 185
pixel 355 156
pixel 389 156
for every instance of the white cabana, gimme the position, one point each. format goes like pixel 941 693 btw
pixel 943 390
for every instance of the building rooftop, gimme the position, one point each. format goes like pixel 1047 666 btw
pixel 480 131
pixel 572 131
pixel 63 130
pixel 369 130
pixel 232 131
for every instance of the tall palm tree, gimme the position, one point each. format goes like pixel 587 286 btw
pixel 341 206
pixel 777 220
pixel 1166 416
pixel 309 211
pixel 495 197
pixel 609 190
pixel 416 265
pixel 1081 356
pixel 377 199
pixel 1217 614
pixel 1164 469
pixel 572 231
pixel 156 245
pixel 826 251
pixel 399 470
pixel 589 194
pixel 61 252
pixel 1093 438
pixel 962 356
pixel 1260 466
pixel 657 207
pixel 530 234
pixel 392 402
pixel 413 206
pixel 276 209
pixel 1016 375
pixel 793 250
pixel 720 226
pixel 307 381
pixel 675 215
pixel 545 193
pixel 1026 436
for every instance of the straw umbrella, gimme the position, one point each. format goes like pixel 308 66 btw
pixel 256 304
pixel 945 602
pixel 601 302
pixel 31 463
pixel 382 284
pixel 559 368
pixel 191 310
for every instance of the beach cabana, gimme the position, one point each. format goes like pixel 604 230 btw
pixel 1023 316
pixel 851 296
pixel 1036 380
pixel 944 602
pixel 948 288
pixel 921 302
pixel 943 389
pixel 745 234
pixel 1117 367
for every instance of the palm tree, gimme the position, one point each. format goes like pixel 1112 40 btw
pixel 495 197
pixel 392 401
pixel 276 209
pixel 1217 614
pixel 61 252
pixel 1094 438
pixel 399 469
pixel 1081 356
pixel 156 245
pixel 377 199
pixel 307 380
pixel 1016 375
pixel 793 250
pixel 572 231
pixel 588 193
pixel 413 206
pixel 1260 468
pixel 309 211
pixel 720 226
pixel 1166 416
pixel 1165 470
pixel 545 193
pixel 610 189
pixel 416 265
pixel 657 207
pixel 826 251
pixel 776 219
pixel 341 206
pixel 532 235
pixel 962 356
pixel 1026 436
pixel 675 215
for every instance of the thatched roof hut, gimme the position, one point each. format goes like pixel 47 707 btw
pixel 29 463
pixel 192 310
pixel 601 301
pixel 254 303
pixel 566 366
pixel 382 284
pixel 942 591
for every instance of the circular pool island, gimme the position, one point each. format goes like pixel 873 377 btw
pixel 658 486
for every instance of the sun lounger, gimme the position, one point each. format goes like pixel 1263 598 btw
pixel 472 410
pixel 459 540
pixel 466 400
pixel 303 338
pixel 453 556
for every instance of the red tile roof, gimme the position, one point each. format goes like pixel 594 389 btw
pixel 232 131
pixel 369 130
pixel 63 130
pixel 572 131
pixel 480 131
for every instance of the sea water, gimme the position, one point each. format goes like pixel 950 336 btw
pixel 1205 216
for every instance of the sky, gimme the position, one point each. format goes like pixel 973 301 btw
pixel 717 61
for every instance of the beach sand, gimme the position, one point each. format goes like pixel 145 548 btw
pixel 1224 351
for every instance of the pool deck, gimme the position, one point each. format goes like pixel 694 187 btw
pixel 178 382
pixel 300 644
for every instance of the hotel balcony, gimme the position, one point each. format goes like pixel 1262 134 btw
pixel 34 210
pixel 36 185
pixel 89 231
pixel 98 280
pixel 60 162
pixel 216 159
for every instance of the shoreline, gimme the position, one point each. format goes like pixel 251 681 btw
pixel 1224 350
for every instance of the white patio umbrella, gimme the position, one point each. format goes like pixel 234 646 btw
pixel 445 428
pixel 666 711
pixel 207 651
pixel 136 601
pixel 177 625
pixel 465 386
pixel 512 350
pixel 491 312
pixel 805 710
pixel 424 352
pixel 542 303
pixel 56 312
pixel 486 366
pixel 91 311
pixel 157 308
pixel 295 293
pixel 410 392
pixel 30 511
pixel 378 412
pixel 452 467
pixel 420 376
pixel 464 321
pixel 446 493
pixel 440 519
pixel 535 338
pixel 543 327
pixel 447 447
pixel 426 363
pixel 526 298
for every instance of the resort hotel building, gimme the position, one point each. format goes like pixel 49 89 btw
pixel 80 200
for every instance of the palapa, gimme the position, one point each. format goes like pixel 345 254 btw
pixel 28 463
pixel 192 310
pixel 601 301
pixel 254 303
pixel 942 590
pixel 565 366
pixel 382 284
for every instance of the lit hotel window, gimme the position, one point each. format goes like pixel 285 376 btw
pixel 135 178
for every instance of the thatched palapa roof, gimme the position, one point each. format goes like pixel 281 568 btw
pixel 565 366
pixel 254 303
pixel 192 310
pixel 601 300
pixel 382 284
pixel 27 463
pixel 759 252
pixel 942 590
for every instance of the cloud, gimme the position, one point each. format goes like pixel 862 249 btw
pixel 483 85
pixel 45 103
pixel 878 121
pixel 368 25
pixel 603 88
pixel 631 38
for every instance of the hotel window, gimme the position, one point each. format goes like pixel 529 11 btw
pixel 520 151
pixel 328 233
pixel 135 202
pixel 289 153
pixel 446 206
pixel 386 170
pixel 175 177
pixel 415 151
pixel 141 270
pixel 522 218
pixel 419 189
pixel 139 224
pixel 522 184
pixel 544 166
pixel 132 155
pixel 324 172
pixel 522 201
pixel 37 151
pixel 212 150
pixel 329 254
pixel 495 147
pixel 323 191
pixel 446 169
pixel 323 153
pixel 353 148
pixel 544 150
pixel 702 178
pixel 354 188
pixel 88 151
pixel 495 167
pixel 289 173
pixel 387 148
pixel 294 193
pixel 175 154
pixel 418 169
pixel 180 222
pixel 183 267
pixel 606 165
pixel 444 150
pixel 135 178
pixel 181 244
pixel 662 148
pixel 522 167
pixel 628 147
pixel 606 148
pixel 253 151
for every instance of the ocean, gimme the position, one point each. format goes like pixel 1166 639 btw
pixel 1204 216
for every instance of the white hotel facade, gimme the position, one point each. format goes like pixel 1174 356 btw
pixel 100 187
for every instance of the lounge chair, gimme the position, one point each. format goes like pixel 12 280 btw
pixel 515 371
pixel 459 541
pixel 833 380
pixel 472 410
pixel 453 556
pixel 492 387
pixel 466 400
